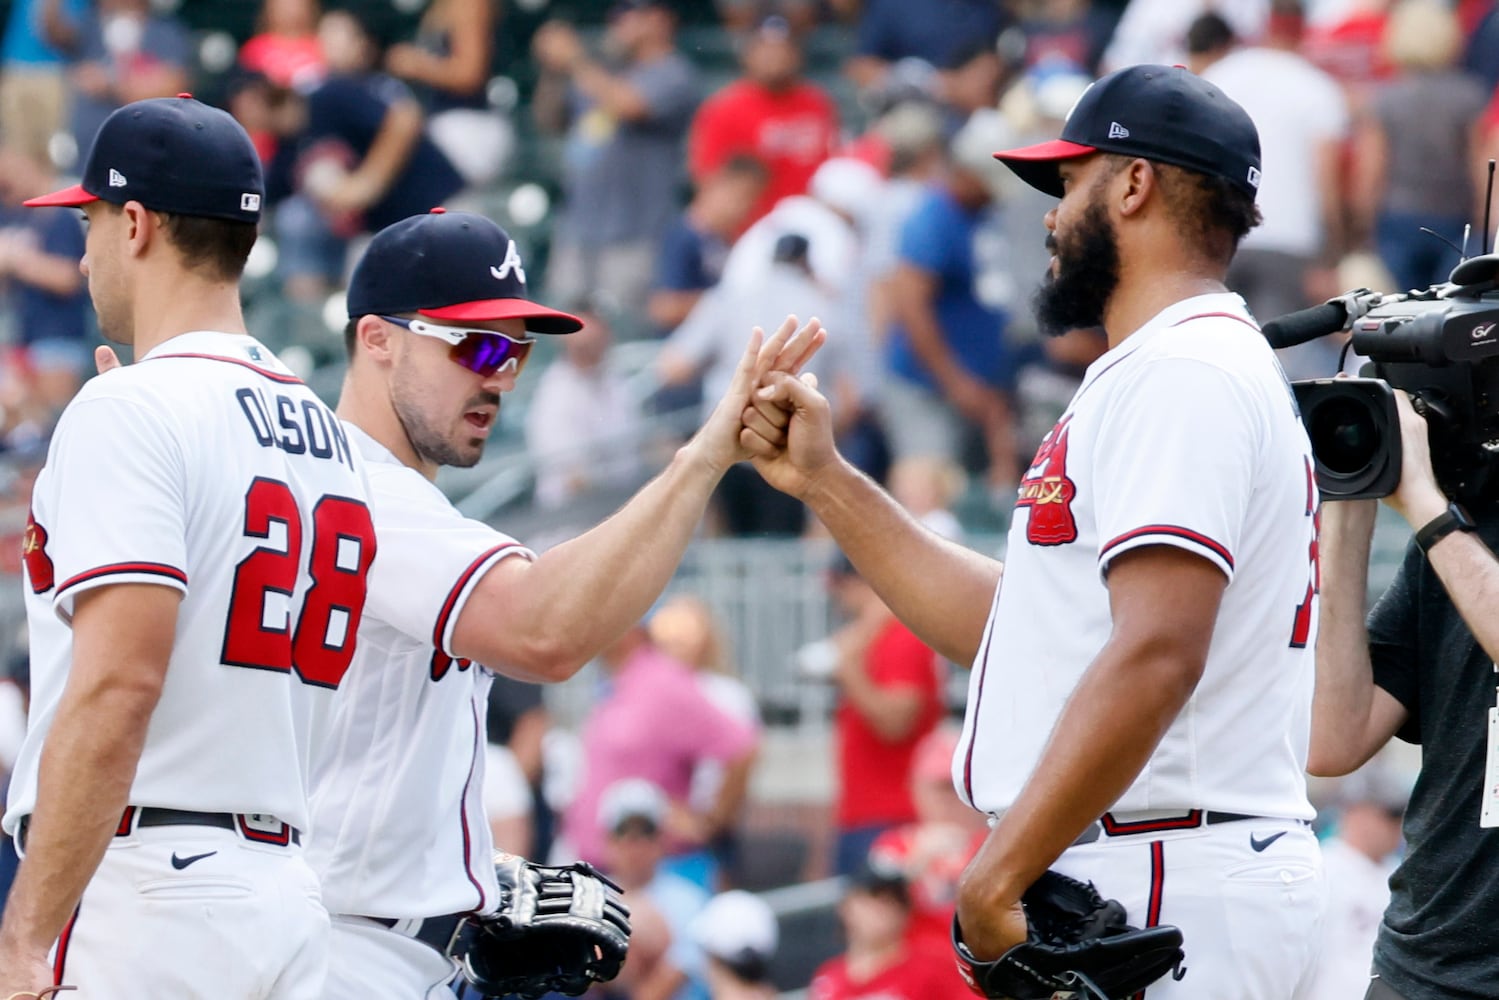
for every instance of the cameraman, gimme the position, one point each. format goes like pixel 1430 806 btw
pixel 1422 669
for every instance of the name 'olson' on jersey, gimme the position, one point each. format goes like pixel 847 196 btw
pixel 297 427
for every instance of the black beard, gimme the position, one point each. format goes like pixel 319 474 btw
pixel 1086 275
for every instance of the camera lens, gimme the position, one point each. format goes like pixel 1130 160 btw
pixel 1344 435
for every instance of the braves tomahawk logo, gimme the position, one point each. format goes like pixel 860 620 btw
pixel 34 554
pixel 1048 492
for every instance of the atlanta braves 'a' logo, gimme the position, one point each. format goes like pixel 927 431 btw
pixel 34 553
pixel 1048 492
pixel 510 264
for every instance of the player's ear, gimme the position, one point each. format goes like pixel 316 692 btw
pixel 141 226
pixel 1134 188
pixel 374 336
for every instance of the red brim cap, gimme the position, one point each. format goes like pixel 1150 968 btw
pixel 539 319
pixel 68 197
pixel 1037 165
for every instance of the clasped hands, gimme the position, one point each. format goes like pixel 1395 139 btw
pixel 782 423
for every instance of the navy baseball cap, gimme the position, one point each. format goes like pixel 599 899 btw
pixel 1164 113
pixel 171 154
pixel 450 266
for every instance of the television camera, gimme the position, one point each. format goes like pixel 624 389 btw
pixel 1441 345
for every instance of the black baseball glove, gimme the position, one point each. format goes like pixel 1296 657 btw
pixel 1079 946
pixel 557 930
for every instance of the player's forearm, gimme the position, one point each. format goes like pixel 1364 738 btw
pixel 1344 693
pixel 583 594
pixel 939 589
pixel 84 784
pixel 1101 742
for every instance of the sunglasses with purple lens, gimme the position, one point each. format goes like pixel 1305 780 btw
pixel 483 352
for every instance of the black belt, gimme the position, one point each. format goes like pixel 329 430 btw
pixel 1109 826
pixel 135 817
pixel 449 934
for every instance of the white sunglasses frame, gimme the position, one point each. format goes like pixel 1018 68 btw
pixel 455 335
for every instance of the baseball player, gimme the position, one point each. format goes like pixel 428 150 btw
pixel 441 326
pixel 195 568
pixel 1141 685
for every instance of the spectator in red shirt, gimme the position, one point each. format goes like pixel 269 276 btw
pixel 890 689
pixel 933 851
pixel 771 113
pixel 880 963
pixel 285 48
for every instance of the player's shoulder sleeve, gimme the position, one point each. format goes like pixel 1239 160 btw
pixel 110 506
pixel 1393 636
pixel 1176 456
pixel 431 556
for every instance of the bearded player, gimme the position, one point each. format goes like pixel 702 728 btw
pixel 1139 704
pixel 440 328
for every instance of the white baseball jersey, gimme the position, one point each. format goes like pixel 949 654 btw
pixel 399 827
pixel 207 466
pixel 1186 434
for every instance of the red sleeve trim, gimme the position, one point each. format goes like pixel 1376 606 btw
pixel 132 568
pixel 451 602
pixel 1176 532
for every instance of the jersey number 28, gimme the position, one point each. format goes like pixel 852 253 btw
pixel 318 642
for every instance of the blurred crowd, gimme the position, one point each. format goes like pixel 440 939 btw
pixel 702 167
pixel 705 167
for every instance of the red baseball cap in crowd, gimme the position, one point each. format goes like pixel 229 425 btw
pixel 1164 113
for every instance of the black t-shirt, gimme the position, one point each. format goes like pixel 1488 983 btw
pixel 1440 936
pixel 350 110
pixel 508 701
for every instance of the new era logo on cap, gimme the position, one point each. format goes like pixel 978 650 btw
pixel 1117 131
pixel 116 179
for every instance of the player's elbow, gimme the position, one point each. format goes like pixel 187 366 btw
pixel 1330 755
pixel 1167 666
pixel 1322 763
pixel 540 659
pixel 126 692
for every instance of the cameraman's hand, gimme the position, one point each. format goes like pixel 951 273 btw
pixel 1418 498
